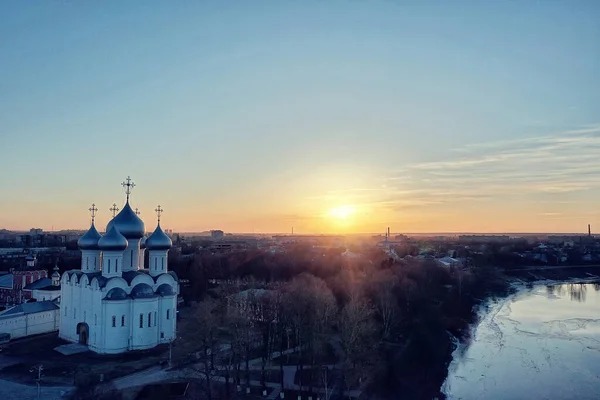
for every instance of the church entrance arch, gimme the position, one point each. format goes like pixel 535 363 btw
pixel 83 331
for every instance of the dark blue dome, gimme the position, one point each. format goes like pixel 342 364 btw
pixel 116 294
pixel 165 290
pixel 142 290
pixel 113 241
pixel 89 240
pixel 128 223
pixel 158 240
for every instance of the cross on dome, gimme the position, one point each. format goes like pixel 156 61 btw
pixel 159 211
pixel 137 212
pixel 114 209
pixel 128 185
pixel 92 211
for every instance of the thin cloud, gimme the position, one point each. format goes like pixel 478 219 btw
pixel 550 164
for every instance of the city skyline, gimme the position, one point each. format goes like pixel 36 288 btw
pixel 328 117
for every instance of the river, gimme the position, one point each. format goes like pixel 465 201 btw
pixel 541 343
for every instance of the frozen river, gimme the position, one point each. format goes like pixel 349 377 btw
pixel 542 343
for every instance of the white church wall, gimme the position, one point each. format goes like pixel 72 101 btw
pixel 144 336
pixel 90 260
pixel 131 255
pixel 168 319
pixel 116 282
pixel 117 325
pixel 142 278
pixel 158 262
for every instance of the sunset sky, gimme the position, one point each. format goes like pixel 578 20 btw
pixel 328 116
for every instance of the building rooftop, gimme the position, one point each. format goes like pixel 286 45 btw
pixel 29 308
pixel 40 283
pixel 6 281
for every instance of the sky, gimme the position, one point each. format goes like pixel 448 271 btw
pixel 338 116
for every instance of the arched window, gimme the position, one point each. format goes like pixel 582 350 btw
pixel 116 265
pixel 155 263
pixel 87 263
pixel 141 320
pixel 114 321
pixel 74 313
pixel 162 260
pixel 155 318
pixel 109 266
pixel 168 313
pixel 94 261
pixel 149 320
pixel 122 320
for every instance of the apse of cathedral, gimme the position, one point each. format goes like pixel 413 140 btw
pixel 112 303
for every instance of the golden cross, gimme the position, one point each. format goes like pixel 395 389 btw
pixel 114 209
pixel 159 211
pixel 128 185
pixel 93 210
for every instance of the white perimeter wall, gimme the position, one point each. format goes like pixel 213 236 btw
pixel 30 324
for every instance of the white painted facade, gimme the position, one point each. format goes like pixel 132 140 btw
pixel 26 323
pixel 118 306
pixel 44 295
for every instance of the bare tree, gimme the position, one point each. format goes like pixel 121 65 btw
pixel 311 306
pixel 356 333
pixel 385 300
pixel 206 328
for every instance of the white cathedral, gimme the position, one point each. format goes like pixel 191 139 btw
pixel 113 304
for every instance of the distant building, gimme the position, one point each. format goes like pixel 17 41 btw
pixel 483 238
pixel 45 288
pixel 13 285
pixel 217 234
pixel 449 262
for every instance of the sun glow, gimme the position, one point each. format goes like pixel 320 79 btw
pixel 341 212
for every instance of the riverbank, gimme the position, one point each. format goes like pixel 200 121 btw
pixel 554 274
pixel 538 312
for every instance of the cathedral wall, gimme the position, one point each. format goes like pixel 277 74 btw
pixel 131 255
pixel 168 320
pixel 66 292
pixel 157 263
pixel 144 336
pixel 90 260
pixel 117 326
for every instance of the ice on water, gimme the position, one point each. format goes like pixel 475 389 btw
pixel 542 343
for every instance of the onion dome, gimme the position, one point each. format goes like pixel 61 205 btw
pixel 143 242
pixel 116 294
pixel 158 240
pixel 142 290
pixel 113 241
pixel 128 223
pixel 55 274
pixel 89 240
pixel 165 290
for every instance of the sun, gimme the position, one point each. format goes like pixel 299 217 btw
pixel 341 212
